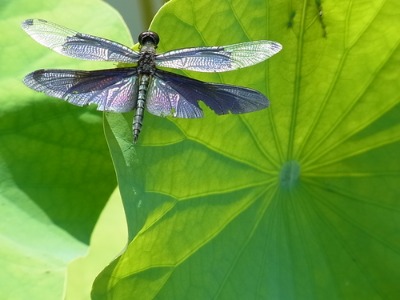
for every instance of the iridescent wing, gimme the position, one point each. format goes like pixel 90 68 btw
pixel 78 45
pixel 170 94
pixel 112 90
pixel 218 59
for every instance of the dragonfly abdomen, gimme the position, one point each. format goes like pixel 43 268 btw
pixel 141 103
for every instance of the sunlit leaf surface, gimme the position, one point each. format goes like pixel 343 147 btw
pixel 299 201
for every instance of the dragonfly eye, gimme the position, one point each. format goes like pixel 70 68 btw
pixel 148 36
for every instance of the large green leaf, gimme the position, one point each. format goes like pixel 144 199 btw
pixel 55 170
pixel 299 201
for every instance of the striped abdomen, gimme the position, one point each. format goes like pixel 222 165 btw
pixel 144 80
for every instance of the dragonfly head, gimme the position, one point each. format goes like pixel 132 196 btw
pixel 148 37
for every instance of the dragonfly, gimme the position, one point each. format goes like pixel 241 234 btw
pixel 141 84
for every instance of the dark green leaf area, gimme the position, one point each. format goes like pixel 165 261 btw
pixel 49 154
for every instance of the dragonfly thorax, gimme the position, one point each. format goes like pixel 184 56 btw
pixel 146 63
pixel 148 43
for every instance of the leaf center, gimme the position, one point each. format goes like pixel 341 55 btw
pixel 290 174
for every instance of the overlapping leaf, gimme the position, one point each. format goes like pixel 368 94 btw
pixel 55 171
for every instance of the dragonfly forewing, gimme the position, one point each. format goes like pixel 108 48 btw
pixel 219 59
pixel 77 45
